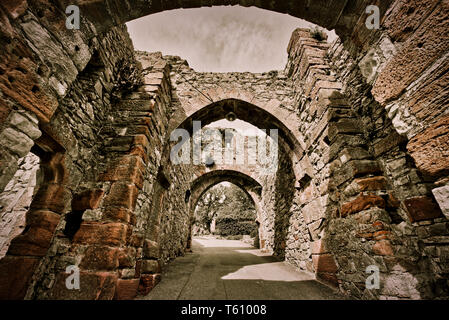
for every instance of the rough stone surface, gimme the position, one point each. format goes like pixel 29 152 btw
pixel 362 144
pixel 442 197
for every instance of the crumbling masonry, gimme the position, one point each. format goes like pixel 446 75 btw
pixel 85 127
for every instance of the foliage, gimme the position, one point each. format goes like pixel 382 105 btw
pixel 230 207
pixel 318 34
pixel 227 227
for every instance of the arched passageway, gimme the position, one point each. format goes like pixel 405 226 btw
pixel 363 161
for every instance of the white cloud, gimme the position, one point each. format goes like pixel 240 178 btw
pixel 219 39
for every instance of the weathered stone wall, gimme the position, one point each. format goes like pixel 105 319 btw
pixel 414 213
pixel 16 199
pixel 363 167
pixel 373 197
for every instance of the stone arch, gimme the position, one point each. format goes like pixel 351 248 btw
pixel 296 170
pixel 206 180
pixel 247 107
pixel 328 14
pixel 71 52
pixel 37 94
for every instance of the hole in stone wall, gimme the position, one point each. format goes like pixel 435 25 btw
pixel 22 70
pixel 162 179
pixel 73 223
pixel 41 71
pixel 187 197
pixel 304 181
pixel 410 10
pixel 95 65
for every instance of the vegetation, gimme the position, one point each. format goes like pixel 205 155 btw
pixel 318 34
pixel 225 210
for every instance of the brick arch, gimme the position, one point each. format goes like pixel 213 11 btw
pixel 246 181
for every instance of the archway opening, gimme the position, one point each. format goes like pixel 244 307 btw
pixel 226 211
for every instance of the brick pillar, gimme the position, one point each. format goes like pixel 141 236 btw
pixel 354 181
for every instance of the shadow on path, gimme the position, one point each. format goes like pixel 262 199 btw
pixel 231 270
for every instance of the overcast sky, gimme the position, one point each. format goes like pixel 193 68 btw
pixel 219 39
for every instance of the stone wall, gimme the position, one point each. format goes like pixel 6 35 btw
pixel 16 199
pixel 363 168
pixel 374 202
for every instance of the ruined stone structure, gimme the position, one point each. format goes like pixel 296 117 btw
pixel 363 162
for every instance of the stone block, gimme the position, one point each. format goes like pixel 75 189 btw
pixel 315 210
pixel 15 276
pixel 53 197
pixel 126 289
pixel 117 214
pixel 383 248
pixel 100 258
pixel 353 153
pixel 328 278
pixel 93 286
pixel 136 240
pixel 16 141
pixel 363 202
pixel 150 266
pixel 112 234
pixel 414 57
pixel 421 208
pixel 441 195
pixel 324 263
pixel 148 282
pixel 430 151
pixel 89 199
pixel 122 195
pixel 371 184
pixel 25 125
pixel 319 247
pixel 151 249
pixel 127 257
pixel 343 126
pixel 391 141
pixel 132 172
pixel 38 235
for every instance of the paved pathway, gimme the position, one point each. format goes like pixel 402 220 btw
pixel 233 270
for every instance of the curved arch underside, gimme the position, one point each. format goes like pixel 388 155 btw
pixel 330 14
pixel 245 111
pixel 206 181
